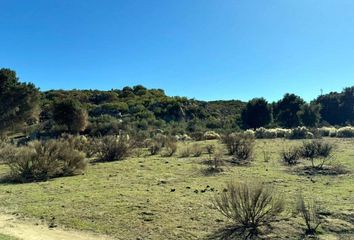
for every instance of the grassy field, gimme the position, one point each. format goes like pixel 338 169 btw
pixel 4 237
pixel 154 197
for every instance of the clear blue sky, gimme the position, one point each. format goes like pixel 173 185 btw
pixel 203 49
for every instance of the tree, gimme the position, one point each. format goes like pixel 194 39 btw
pixel 309 115
pixel 257 113
pixel 347 105
pixel 286 110
pixel 71 114
pixel 330 108
pixel 19 102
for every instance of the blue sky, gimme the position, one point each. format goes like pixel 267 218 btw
pixel 203 49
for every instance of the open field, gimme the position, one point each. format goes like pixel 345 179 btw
pixel 154 197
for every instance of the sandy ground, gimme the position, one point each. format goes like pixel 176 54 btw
pixel 27 230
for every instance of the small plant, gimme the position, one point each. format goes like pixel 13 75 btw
pixel 240 146
pixel 215 162
pixel 266 154
pixel 154 147
pixel 290 156
pixel 210 148
pixel 185 152
pixel 248 205
pixel 317 149
pixel 196 150
pixel 170 147
pixel 310 214
pixel 112 148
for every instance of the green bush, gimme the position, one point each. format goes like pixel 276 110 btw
pixel 316 150
pixel 114 148
pixel 290 156
pixel 44 160
pixel 300 133
pixel 249 205
pixel 211 135
pixel 345 132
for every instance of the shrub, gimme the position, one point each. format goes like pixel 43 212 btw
pixel 327 131
pixel 345 132
pixel 210 149
pixel 249 133
pixel 241 147
pixel 300 133
pixel 154 147
pixel 185 152
pixel 282 132
pixel 290 156
pixel 112 148
pixel 196 150
pixel 265 133
pixel 316 149
pixel 215 162
pixel 310 214
pixel 170 147
pixel 249 205
pixel 211 135
pixel 44 160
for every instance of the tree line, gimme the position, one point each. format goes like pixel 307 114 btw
pixel 23 107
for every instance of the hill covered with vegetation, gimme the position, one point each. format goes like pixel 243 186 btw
pixel 140 110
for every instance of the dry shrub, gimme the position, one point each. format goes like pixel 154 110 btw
pixel 154 147
pixel 210 149
pixel 249 205
pixel 215 162
pixel 240 146
pixel 291 155
pixel 114 148
pixel 310 214
pixel 44 160
pixel 170 147
pixel 196 150
pixel 185 152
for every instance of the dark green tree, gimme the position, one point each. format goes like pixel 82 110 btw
pixel 309 115
pixel 347 105
pixel 286 110
pixel 70 113
pixel 19 102
pixel 257 113
pixel 330 108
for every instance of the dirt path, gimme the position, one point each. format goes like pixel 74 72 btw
pixel 27 230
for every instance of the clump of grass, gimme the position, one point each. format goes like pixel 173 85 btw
pixel 196 150
pixel 185 152
pixel 249 205
pixel 170 147
pixel 310 214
